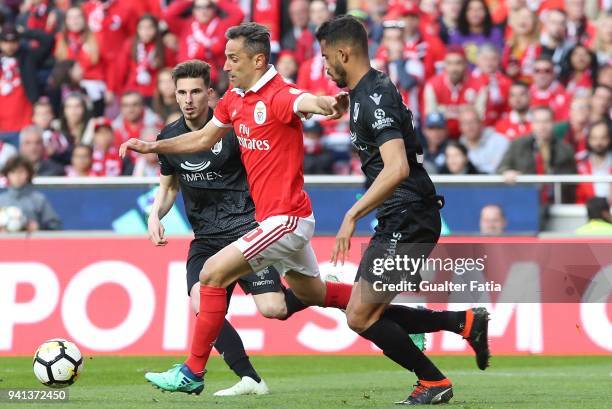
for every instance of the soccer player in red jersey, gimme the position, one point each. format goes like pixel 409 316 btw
pixel 265 113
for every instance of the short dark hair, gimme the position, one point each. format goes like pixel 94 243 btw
pixel 192 69
pixel 596 206
pixel 519 83
pixel 16 162
pixel 256 38
pixel 544 58
pixel 346 29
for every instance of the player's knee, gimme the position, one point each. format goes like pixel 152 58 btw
pixel 209 276
pixel 356 322
pixel 275 311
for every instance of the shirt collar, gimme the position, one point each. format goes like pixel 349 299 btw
pixel 267 77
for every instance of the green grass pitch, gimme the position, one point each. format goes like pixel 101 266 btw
pixel 330 382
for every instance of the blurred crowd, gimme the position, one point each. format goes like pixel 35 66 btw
pixel 495 86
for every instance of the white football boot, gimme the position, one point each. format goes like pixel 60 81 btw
pixel 246 386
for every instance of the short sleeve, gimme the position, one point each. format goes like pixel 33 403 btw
pixel 285 103
pixel 165 168
pixel 382 117
pixel 221 116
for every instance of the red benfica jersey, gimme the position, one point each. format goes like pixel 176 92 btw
pixel 269 131
pixel 554 97
pixel 513 126
pixel 497 88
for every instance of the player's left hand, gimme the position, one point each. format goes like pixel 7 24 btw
pixel 135 145
pixel 340 106
pixel 343 240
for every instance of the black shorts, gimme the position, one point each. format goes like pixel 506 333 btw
pixel 411 231
pixel 260 282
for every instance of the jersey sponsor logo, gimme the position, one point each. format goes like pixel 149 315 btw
pixel 380 114
pixel 259 113
pixel 254 144
pixel 376 98
pixel 201 176
pixel 355 111
pixel 195 167
pixel 382 120
pixel 355 144
pixel 217 148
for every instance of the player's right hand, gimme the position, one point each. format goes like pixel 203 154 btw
pixel 156 232
pixel 135 145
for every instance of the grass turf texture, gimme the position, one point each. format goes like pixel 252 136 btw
pixel 329 382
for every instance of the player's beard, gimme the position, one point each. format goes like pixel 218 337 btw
pixel 339 76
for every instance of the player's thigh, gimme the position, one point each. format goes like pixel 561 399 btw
pixel 308 289
pixel 225 267
pixel 266 287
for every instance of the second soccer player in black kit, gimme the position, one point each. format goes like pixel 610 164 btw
pixel 220 210
pixel 407 211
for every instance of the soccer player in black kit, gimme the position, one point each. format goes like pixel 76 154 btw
pixel 220 210
pixel 407 212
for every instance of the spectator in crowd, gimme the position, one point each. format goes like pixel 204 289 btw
pixel 448 21
pixel 547 91
pixel 164 98
pixel 112 22
pixel 457 161
pixel 33 204
pixel 603 39
pixel 19 87
pixel 74 121
pixel 81 162
pixel 317 159
pixel 488 76
pixel 57 146
pixel 596 161
pixel 579 28
pixel 32 148
pixel 553 39
pixel 147 164
pixel 142 58
pixel 492 220
pixel 202 34
pixel 436 138
pixel 540 154
pixel 287 65
pixel 7 151
pixel 574 131
pixel 453 87
pixel 601 104
pixel 579 71
pixel 475 28
pixel 134 117
pixel 106 160
pixel 485 147
pixel 77 43
pixel 517 122
pixel 40 15
pixel 599 218
pixel 298 32
pixel 523 45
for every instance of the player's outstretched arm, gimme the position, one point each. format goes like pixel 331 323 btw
pixel 331 106
pixel 191 142
pixel 164 200
pixel 395 170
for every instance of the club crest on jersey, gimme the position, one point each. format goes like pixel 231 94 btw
pixel 355 111
pixel 217 148
pixel 259 113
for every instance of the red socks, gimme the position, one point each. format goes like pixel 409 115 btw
pixel 213 306
pixel 431 384
pixel 337 295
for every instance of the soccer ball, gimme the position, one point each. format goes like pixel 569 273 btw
pixel 57 363
pixel 12 219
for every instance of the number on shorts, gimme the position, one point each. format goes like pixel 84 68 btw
pixel 250 236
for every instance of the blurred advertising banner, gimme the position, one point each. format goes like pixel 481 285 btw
pixel 124 296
